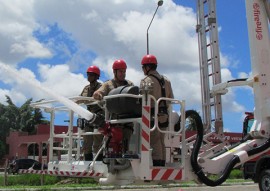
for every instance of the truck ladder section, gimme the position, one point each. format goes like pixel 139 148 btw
pixel 258 141
pixel 209 64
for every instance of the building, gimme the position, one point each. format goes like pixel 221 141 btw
pixel 23 145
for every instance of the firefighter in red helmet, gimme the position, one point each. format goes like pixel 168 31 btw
pixel 161 88
pixel 92 143
pixel 119 70
pixel 94 70
pixel 119 64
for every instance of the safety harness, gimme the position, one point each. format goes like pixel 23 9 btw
pixel 162 85
pixel 162 110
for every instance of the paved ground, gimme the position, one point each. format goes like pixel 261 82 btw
pixel 226 187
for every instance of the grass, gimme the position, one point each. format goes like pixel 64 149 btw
pixel 34 181
pixel 236 174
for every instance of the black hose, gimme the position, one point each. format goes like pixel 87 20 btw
pixel 259 149
pixel 222 178
pixel 194 155
pixel 246 138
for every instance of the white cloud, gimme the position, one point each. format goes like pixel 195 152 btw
pixel 60 79
pixel 57 79
pixel 243 75
pixel 230 105
pixel 110 30
pixel 31 48
pixel 19 91
pixel 3 93
pixel 17 25
pixel 226 75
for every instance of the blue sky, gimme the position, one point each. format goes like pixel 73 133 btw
pixel 55 46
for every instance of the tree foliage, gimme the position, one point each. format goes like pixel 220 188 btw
pixel 23 118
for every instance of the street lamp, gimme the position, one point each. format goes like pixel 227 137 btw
pixel 160 3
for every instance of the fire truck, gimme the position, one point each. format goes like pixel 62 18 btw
pixel 187 157
pixel 253 168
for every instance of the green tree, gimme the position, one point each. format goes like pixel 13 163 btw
pixel 23 118
pixel 12 115
pixel 4 129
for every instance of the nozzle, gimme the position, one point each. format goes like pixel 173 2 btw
pixel 98 120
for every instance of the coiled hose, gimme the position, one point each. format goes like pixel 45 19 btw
pixel 197 145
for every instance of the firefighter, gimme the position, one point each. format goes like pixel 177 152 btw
pixel 92 143
pixel 161 88
pixel 119 70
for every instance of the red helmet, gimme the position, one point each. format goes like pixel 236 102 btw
pixel 119 64
pixel 93 69
pixel 149 59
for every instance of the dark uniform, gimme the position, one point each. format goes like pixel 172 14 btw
pixel 91 143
